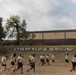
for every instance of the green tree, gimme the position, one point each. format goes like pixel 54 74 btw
pixel 32 36
pixel 16 27
pixel 2 32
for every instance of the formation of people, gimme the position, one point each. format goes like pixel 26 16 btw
pixel 17 62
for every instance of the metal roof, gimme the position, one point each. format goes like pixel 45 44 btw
pixel 48 31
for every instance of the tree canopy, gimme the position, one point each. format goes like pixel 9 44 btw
pixel 2 32
pixel 17 28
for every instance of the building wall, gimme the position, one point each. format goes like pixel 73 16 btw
pixel 54 35
pixel 63 37
pixel 60 37
pixel 38 35
pixel 71 35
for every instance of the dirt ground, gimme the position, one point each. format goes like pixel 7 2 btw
pixel 45 70
pixel 58 68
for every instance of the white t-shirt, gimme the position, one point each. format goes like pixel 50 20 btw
pixel 74 59
pixel 47 57
pixel 13 59
pixel 30 56
pixel 3 60
pixel 66 57
pixel 19 59
pixel 53 57
pixel 33 59
pixel 40 56
pixel 43 57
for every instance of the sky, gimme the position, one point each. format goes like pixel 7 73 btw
pixel 41 15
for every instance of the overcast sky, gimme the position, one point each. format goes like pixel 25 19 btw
pixel 41 15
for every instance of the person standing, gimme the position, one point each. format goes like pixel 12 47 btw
pixel 3 61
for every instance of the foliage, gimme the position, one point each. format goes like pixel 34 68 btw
pixel 33 36
pixel 3 50
pixel 17 28
pixel 2 32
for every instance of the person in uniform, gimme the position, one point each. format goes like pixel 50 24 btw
pixel 30 56
pixel 32 63
pixel 53 58
pixel 3 61
pixel 47 59
pixel 13 61
pixel 19 64
pixel 66 59
pixel 73 63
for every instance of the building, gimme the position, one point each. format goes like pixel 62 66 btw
pixel 53 37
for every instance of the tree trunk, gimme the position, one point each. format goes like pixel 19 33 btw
pixel 18 40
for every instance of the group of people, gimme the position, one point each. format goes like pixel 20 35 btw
pixel 73 61
pixel 44 59
pixel 14 60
